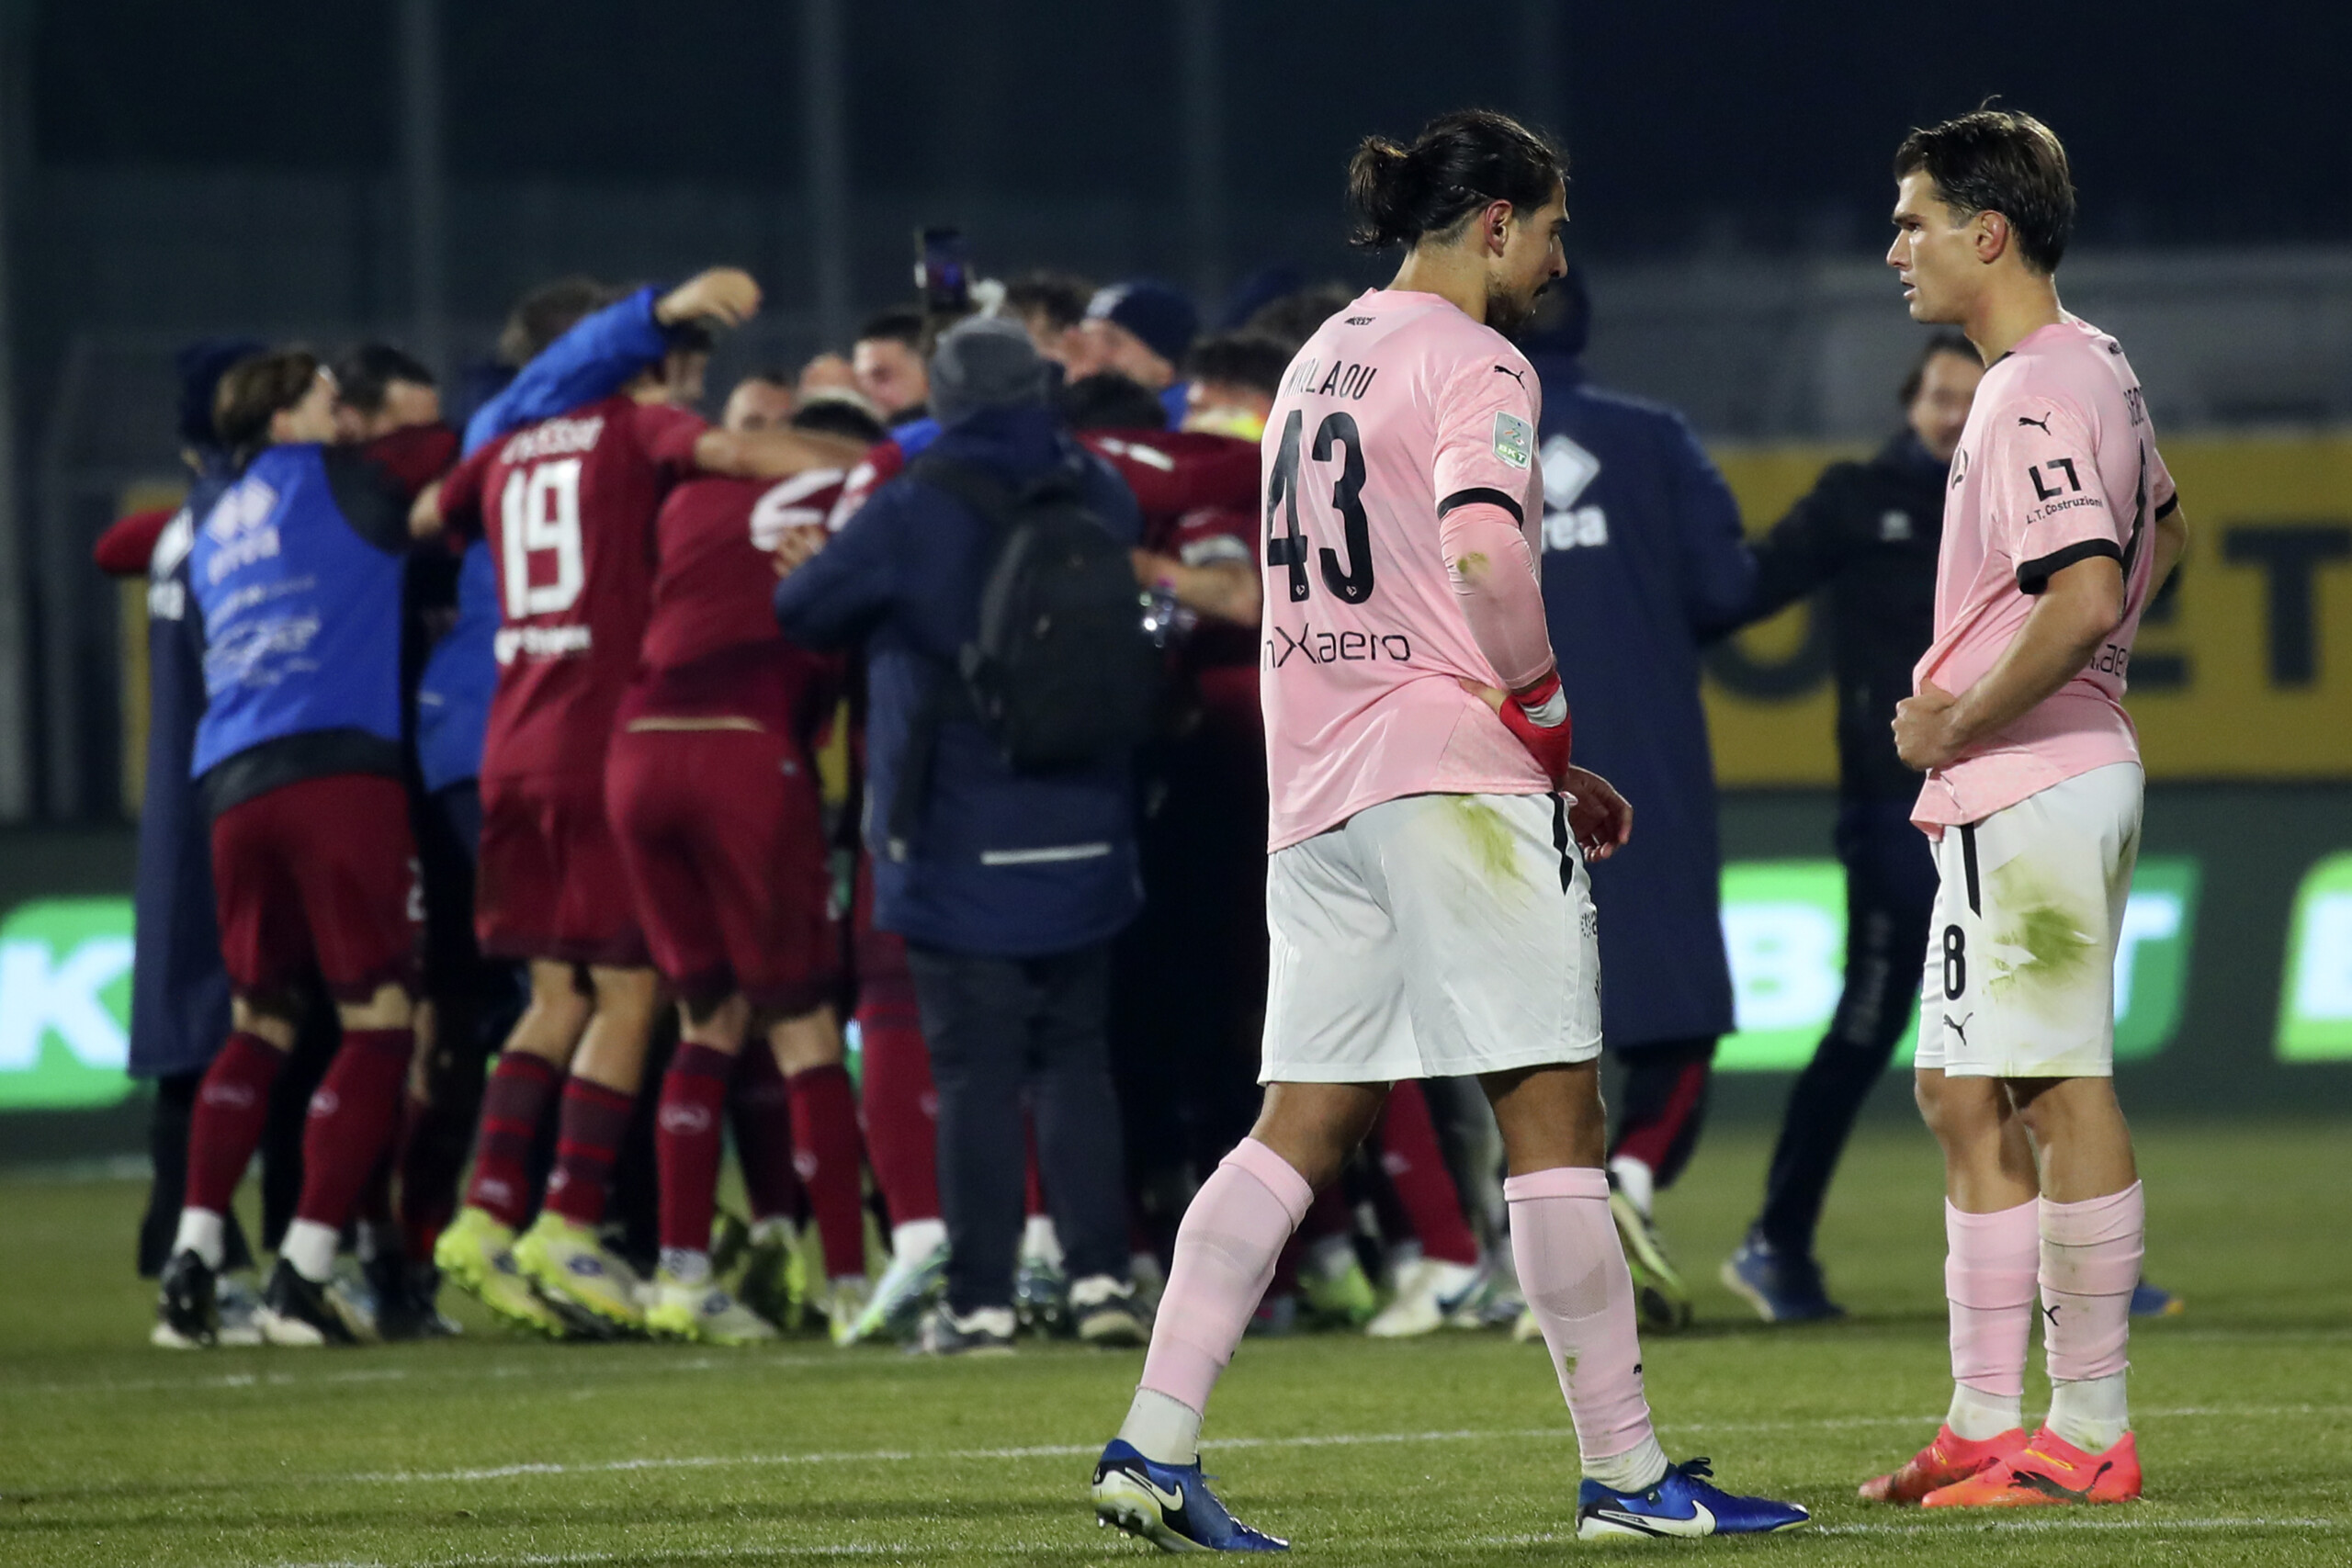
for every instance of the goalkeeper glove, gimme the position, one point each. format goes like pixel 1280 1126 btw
pixel 1538 717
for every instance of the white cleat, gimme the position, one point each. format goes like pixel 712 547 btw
pixel 1428 1291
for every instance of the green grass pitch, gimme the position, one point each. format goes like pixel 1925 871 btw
pixel 1450 1450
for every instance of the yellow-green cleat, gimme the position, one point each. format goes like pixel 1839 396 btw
pixel 844 1301
pixel 1336 1289
pixel 774 1281
pixel 703 1313
pixel 1660 1297
pixel 569 1265
pixel 477 1253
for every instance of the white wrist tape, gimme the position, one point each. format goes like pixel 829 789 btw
pixel 1551 713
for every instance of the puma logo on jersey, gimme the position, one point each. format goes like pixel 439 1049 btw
pixel 2043 422
pixel 1507 370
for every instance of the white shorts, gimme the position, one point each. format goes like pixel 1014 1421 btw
pixel 1432 936
pixel 2021 976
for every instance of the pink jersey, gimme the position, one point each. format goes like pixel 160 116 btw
pixel 2058 463
pixel 1400 409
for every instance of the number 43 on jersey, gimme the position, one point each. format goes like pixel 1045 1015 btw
pixel 1349 577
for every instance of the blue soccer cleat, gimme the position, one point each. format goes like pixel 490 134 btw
pixel 1783 1287
pixel 1681 1505
pixel 1169 1505
pixel 2155 1301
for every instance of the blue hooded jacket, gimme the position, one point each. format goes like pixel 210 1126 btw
pixel 1003 864
pixel 1643 562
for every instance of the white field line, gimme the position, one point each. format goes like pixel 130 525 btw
pixel 2097 1521
pixel 1338 1440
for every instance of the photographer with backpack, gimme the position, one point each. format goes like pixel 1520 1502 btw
pixel 1009 680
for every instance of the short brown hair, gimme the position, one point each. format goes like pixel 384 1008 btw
pixel 545 313
pixel 255 388
pixel 2005 162
pixel 1059 297
pixel 1241 359
pixel 1940 343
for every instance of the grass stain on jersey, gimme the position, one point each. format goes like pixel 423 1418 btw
pixel 1492 852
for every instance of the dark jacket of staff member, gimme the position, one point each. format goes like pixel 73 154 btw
pixel 1643 561
pixel 1010 886
pixel 1865 540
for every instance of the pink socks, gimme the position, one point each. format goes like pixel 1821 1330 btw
pixel 1225 1257
pixel 1572 1270
pixel 2090 1263
pixel 1989 1263
pixel 2086 1260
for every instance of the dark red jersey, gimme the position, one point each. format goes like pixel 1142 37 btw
pixel 1199 498
pixel 711 648
pixel 567 506
pixel 884 461
pixel 1176 471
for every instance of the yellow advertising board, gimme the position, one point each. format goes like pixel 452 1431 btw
pixel 2244 671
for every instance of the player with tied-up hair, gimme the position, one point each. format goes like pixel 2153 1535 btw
pixel 2059 525
pixel 1426 898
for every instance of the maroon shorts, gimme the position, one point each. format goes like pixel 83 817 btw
pixel 322 872
pixel 550 882
pixel 723 835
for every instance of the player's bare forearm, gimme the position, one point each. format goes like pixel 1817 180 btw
pixel 2079 605
pixel 724 294
pixel 424 512
pixel 2172 543
pixel 1224 590
pixel 771 453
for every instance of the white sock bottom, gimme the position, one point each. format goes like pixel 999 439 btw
pixel 774 1229
pixel 203 1233
pixel 1638 1469
pixel 1039 1241
pixel 917 1240
pixel 1637 1181
pixel 686 1265
pixel 1162 1427
pixel 310 1247
pixel 2090 1414
pixel 1977 1415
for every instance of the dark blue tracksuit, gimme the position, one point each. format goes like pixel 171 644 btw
pixel 1864 539
pixel 1011 886
pixel 1643 561
pixel 179 989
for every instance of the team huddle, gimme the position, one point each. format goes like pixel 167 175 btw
pixel 651 832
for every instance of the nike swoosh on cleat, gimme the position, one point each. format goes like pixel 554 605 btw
pixel 1649 1524
pixel 2034 1481
pixel 1172 1501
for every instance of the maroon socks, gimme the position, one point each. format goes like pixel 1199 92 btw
pixel 591 1124
pixel 512 1103
pixel 688 1142
pixel 827 1155
pixel 232 1104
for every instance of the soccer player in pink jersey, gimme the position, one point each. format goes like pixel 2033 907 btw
pixel 1427 896
pixel 2060 523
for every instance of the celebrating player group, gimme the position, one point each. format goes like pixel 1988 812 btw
pixel 1426 898
pixel 651 824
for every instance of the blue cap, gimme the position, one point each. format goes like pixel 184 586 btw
pixel 1159 314
pixel 200 366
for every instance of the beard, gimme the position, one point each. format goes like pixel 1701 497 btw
pixel 1509 314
